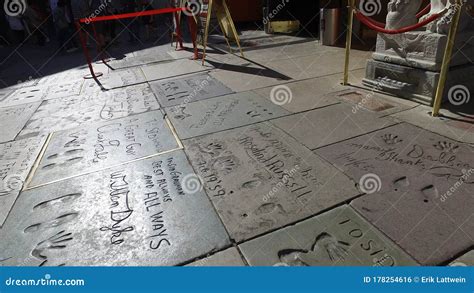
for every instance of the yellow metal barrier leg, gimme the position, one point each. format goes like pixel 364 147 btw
pixel 350 22
pixel 206 32
pixel 447 59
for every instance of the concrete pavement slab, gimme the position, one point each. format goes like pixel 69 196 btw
pixel 227 258
pixel 184 90
pixel 418 184
pixel 139 60
pixel 4 93
pixel 25 95
pixel 321 64
pixel 114 80
pixel 173 69
pixel 139 214
pixel 324 126
pixel 13 119
pixel 339 237
pixel 247 77
pixel 16 160
pixel 466 260
pixel 65 113
pixel 221 113
pixel 459 127
pixel 98 146
pixel 305 95
pixel 261 179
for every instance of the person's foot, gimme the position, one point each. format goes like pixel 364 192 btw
pixel 71 50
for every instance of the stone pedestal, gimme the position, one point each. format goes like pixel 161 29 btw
pixel 424 50
pixel 414 83
pixel 408 65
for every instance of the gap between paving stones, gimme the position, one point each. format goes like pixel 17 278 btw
pixel 37 162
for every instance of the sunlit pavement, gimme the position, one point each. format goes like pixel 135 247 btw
pixel 263 160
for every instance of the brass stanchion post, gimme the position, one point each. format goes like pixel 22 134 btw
pixel 447 59
pixel 350 22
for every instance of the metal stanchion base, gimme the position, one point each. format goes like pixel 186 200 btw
pixel 198 57
pixel 102 61
pixel 90 76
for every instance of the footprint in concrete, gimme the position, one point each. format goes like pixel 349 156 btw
pixel 254 113
pixel 292 257
pixel 57 201
pixel 55 242
pixel 429 192
pixel 266 223
pixel 27 94
pixel 65 159
pixel 180 113
pixel 325 243
pixel 391 139
pixel 446 146
pixel 251 184
pixel 257 180
pixel 268 208
pixel 335 249
pixel 401 183
pixel 59 221
pixel 225 163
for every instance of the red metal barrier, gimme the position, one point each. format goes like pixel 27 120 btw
pixel 91 20
pixel 382 25
pixel 376 27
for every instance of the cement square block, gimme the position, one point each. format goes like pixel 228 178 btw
pixel 221 113
pixel 139 214
pixel 261 179
pixel 98 146
pixel 339 237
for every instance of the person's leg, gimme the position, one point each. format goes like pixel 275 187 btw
pixel 40 39
pixel 70 37
pixel 61 39
pixel 19 36
pixel 134 29
pixel 113 26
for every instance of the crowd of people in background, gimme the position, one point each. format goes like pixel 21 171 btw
pixel 44 21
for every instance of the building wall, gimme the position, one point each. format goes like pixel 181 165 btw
pixel 246 10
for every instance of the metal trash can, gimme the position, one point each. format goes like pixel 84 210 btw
pixel 330 26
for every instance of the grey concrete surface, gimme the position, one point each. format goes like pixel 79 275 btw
pixel 242 161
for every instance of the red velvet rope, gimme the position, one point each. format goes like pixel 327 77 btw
pixel 420 14
pixel 368 22
pixel 131 15
pixel 424 11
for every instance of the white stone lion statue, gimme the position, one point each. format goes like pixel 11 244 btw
pixel 442 25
